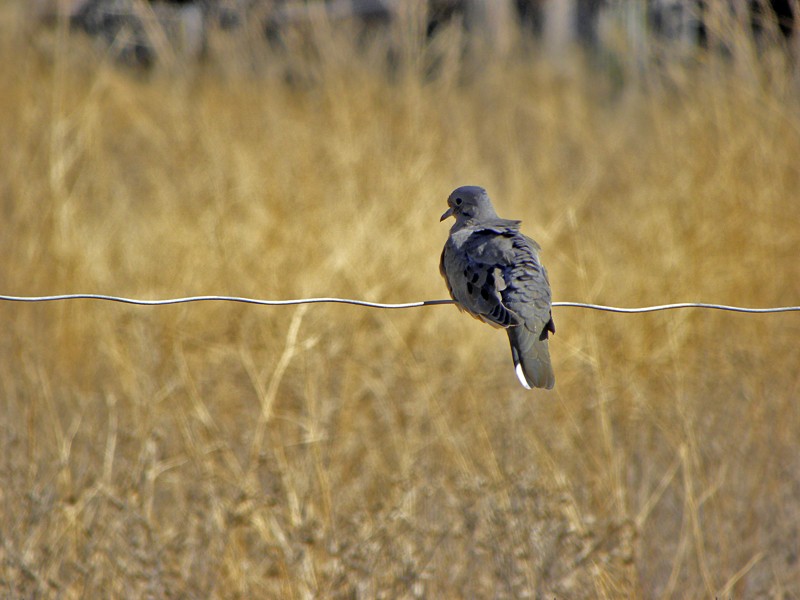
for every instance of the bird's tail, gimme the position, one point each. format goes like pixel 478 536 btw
pixel 531 358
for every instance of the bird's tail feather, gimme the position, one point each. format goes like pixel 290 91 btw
pixel 531 358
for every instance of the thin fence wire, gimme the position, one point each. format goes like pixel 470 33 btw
pixel 615 309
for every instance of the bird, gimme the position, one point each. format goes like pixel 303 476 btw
pixel 493 272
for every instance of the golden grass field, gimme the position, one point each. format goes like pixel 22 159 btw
pixel 220 450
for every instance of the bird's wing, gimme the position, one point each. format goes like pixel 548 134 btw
pixel 527 292
pixel 477 270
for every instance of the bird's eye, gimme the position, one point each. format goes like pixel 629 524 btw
pixel 458 201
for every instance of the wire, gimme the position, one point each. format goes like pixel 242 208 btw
pixel 219 298
pixel 601 307
pixel 644 309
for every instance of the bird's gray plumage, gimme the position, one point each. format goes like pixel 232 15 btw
pixel 493 272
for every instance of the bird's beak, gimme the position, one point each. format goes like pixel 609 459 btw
pixel 448 213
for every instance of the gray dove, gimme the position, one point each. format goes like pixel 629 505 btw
pixel 493 272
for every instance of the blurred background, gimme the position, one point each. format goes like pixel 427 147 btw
pixel 292 149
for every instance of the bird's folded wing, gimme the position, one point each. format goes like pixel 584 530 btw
pixel 477 271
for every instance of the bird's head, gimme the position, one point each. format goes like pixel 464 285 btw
pixel 467 203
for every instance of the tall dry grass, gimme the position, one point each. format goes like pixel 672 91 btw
pixel 219 450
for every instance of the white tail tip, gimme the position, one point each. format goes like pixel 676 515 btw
pixel 521 376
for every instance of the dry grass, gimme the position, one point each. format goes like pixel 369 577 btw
pixel 217 450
